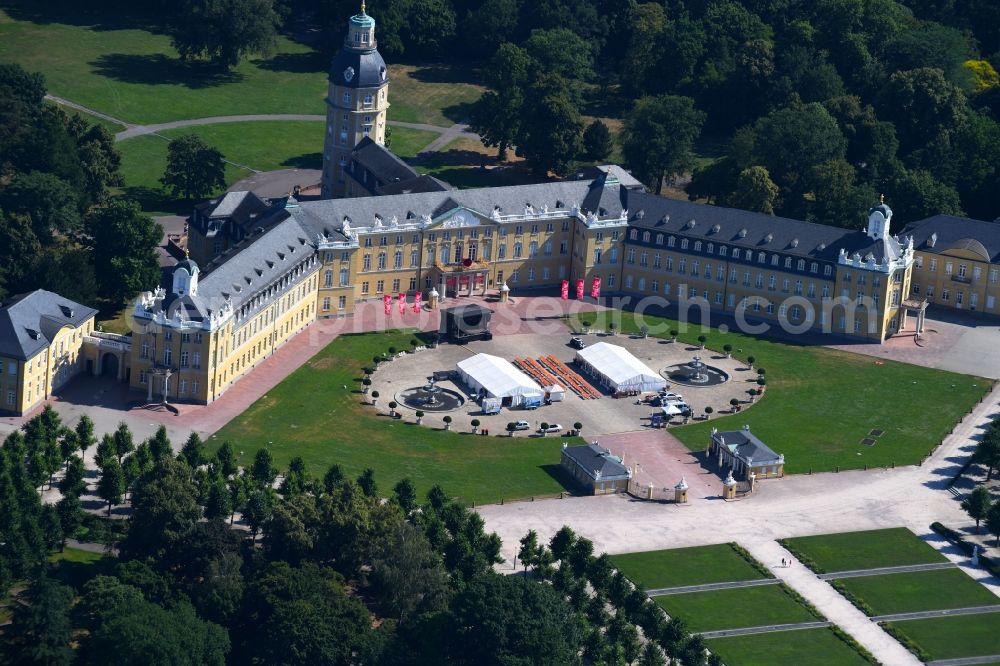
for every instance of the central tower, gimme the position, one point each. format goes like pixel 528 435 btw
pixel 357 100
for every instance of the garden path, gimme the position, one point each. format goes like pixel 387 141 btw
pixel 766 629
pixel 887 570
pixel 919 615
pixel 706 587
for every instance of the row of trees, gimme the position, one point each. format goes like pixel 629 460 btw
pixel 304 576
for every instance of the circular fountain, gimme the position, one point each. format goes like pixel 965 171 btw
pixel 696 373
pixel 431 398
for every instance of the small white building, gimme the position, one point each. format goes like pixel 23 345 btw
pixel 617 369
pixel 493 377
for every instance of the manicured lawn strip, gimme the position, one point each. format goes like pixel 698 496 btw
pixel 816 647
pixel 264 146
pixel 720 563
pixel 310 415
pixel 811 389
pixel 953 637
pixel 870 549
pixel 735 608
pixel 917 591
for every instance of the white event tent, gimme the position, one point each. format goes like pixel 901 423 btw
pixel 616 368
pixel 500 379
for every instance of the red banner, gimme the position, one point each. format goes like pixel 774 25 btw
pixel 595 288
pixel 387 302
pixel 579 288
pixel 402 304
pixel 565 289
pixel 416 302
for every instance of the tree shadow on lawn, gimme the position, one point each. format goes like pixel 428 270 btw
pixel 158 200
pixel 562 478
pixel 311 62
pixel 102 15
pixel 305 161
pixel 157 68
pixel 442 73
pixel 457 113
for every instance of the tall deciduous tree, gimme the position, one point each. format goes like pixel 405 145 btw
pixel 165 507
pixel 978 504
pixel 42 628
pixel 658 137
pixel 496 116
pixel 225 31
pixel 597 141
pixel 194 168
pixel 755 191
pixel 111 487
pixel 124 247
pixel 550 133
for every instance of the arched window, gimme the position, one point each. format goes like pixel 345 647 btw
pixel 697 246
pixel 684 243
pixel 671 241
pixel 801 265
pixel 634 234
pixel 761 258
pixel 710 248
pixel 659 239
pixel 645 237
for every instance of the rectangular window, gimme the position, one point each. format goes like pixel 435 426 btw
pixel 945 294
pixel 326 303
pixel 196 360
pixel 184 359
pixel 341 302
pixel 932 266
pixel 364 287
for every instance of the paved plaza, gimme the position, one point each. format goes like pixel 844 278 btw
pixel 599 417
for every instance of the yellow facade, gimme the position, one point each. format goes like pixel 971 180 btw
pixel 960 279
pixel 27 382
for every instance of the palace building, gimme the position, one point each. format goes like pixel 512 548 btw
pixel 41 347
pixel 260 271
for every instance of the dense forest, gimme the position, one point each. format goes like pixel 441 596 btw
pixel 60 226
pixel 218 565
pixel 812 107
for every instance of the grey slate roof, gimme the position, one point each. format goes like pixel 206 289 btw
pixel 367 64
pixel 242 209
pixel 244 272
pixel 726 225
pixel 744 444
pixel 381 161
pixel 422 183
pixel 28 322
pixel 956 233
pixel 594 458
pixel 361 211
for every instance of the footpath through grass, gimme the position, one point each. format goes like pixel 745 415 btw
pixel 122 64
pixel 815 647
pixel 820 403
pixel 677 567
pixel 310 414
pixel 917 591
pixel 953 637
pixel 735 608
pixel 871 549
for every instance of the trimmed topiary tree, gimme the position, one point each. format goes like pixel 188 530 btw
pixel 708 412
pixel 735 404
pixel 447 423
pixel 545 426
pixel 475 426
pixel 728 349
pixel 392 408
pixel 673 334
pixel 511 427
pixel 374 397
pixel 578 427
pixel 420 417
pixel 750 361
pixel 701 340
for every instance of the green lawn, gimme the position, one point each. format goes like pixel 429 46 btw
pixel 918 591
pixel 310 415
pixel 735 608
pixel 431 94
pixel 685 566
pixel 112 61
pixel 263 146
pixel 956 636
pixel 871 549
pixel 816 647
pixel 75 555
pixel 810 389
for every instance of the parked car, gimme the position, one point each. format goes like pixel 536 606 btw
pixel 522 425
pixel 577 343
pixel 668 396
pixel 554 427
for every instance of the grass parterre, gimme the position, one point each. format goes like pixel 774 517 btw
pixel 811 389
